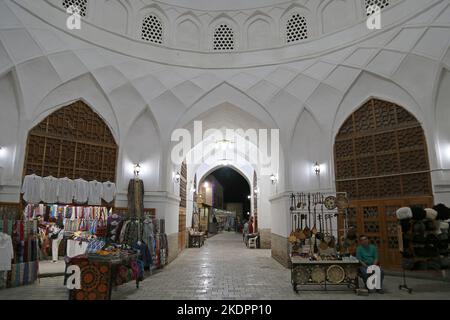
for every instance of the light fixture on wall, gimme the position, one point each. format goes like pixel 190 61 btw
pixel 206 185
pixel 274 179
pixel 317 169
pixel 177 177
pixel 249 197
pixel 225 162
pixel 137 170
pixel 256 190
pixel 223 144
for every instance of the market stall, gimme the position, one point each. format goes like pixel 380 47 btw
pixel 318 260
pixel 104 270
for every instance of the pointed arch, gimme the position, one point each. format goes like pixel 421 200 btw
pixel 153 19
pixel 259 31
pixel 116 15
pixel 188 31
pixel 72 142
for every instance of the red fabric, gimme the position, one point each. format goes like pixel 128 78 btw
pixel 250 228
pixel 22 231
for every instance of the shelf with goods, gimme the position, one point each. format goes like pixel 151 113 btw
pixel 24 266
pixel 318 258
pixel 423 237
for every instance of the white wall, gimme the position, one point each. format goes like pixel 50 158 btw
pixel 9 127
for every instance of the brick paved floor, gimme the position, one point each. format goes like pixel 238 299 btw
pixel 224 269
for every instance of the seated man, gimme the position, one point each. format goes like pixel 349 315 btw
pixel 367 254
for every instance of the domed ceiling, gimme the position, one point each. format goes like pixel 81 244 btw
pixel 222 5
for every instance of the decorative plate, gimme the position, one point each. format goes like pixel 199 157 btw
pixel 341 201
pixel 352 273
pixel 336 274
pixel 318 275
pixel 301 275
pixel 330 203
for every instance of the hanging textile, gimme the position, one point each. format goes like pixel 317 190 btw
pixel 136 198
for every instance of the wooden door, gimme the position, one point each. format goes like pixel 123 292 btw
pixel 182 229
pixel 377 219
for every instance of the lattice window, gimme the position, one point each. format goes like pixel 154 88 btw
pixel 296 29
pixel 377 149
pixel 152 29
pixel 72 142
pixel 380 3
pixel 80 4
pixel 223 38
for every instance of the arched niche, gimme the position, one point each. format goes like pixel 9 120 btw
pixel 115 16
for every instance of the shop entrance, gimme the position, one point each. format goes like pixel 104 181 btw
pixel 381 162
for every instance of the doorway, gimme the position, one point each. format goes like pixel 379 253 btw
pixel 227 195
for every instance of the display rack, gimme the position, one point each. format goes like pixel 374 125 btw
pixel 316 260
pixel 408 246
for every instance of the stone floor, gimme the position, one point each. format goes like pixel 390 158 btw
pixel 48 268
pixel 225 270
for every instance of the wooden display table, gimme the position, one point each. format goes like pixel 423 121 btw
pixel 100 274
pixel 324 273
pixel 196 240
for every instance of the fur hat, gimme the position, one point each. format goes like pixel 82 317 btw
pixel 432 240
pixel 431 214
pixel 444 225
pixel 419 227
pixel 429 225
pixel 443 212
pixel 419 239
pixel 418 213
pixel 404 213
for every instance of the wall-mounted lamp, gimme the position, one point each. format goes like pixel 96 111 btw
pixel 137 170
pixel 206 185
pixel 273 178
pixel 223 144
pixel 225 162
pixel 317 168
pixel 177 177
pixel 249 197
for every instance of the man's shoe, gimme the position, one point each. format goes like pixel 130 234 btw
pixel 381 291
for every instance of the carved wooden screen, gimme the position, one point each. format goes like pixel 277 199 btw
pixel 183 206
pixel 381 152
pixel 72 142
pixel 381 162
